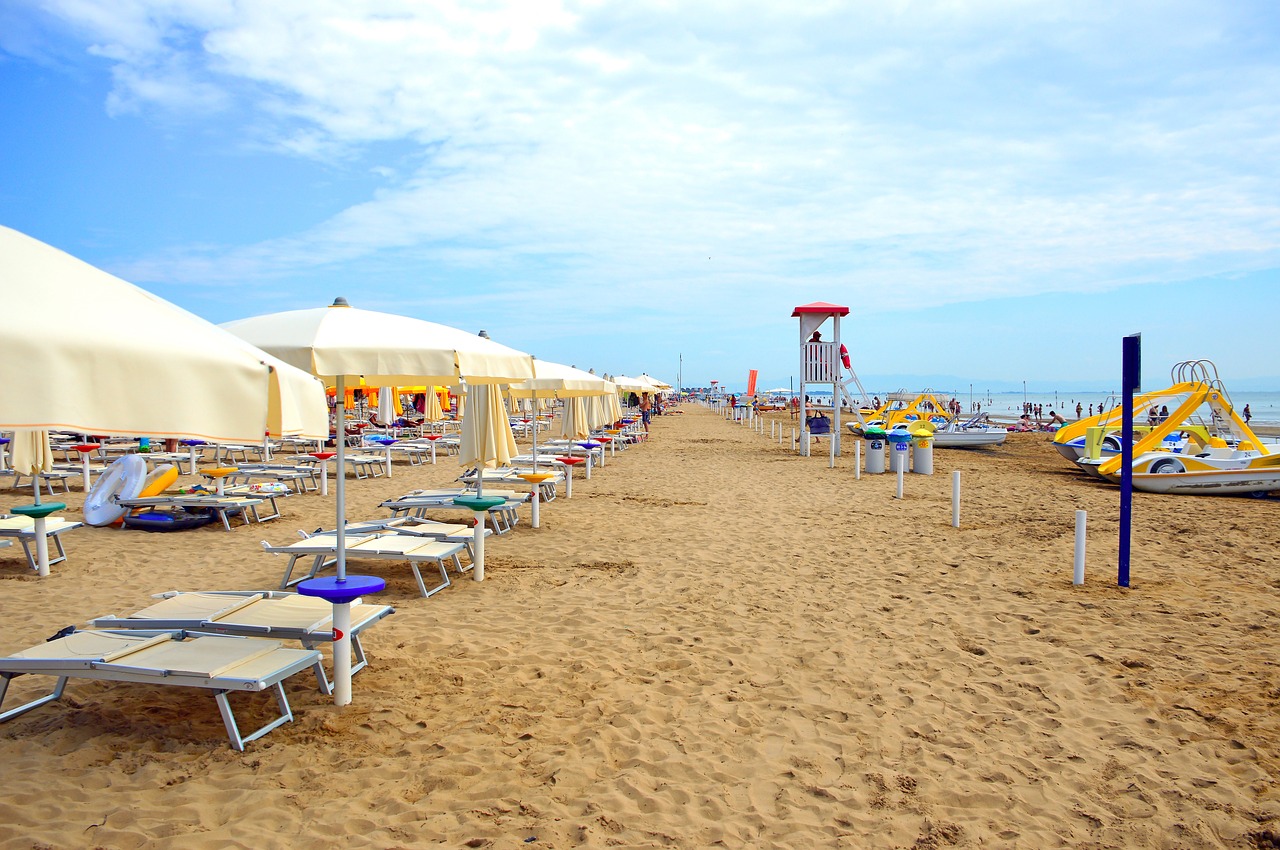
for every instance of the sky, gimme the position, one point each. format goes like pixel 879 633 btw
pixel 999 190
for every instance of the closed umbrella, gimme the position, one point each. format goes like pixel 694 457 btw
pixel 574 424
pixel 345 343
pixel 32 455
pixel 487 440
pixel 386 415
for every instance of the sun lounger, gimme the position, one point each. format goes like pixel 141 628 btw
pixel 55 476
pixel 223 506
pixel 266 613
pixel 509 476
pixel 379 545
pixel 216 663
pixel 363 465
pixel 24 528
pixel 502 517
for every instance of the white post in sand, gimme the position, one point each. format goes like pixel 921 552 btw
pixel 899 495
pixel 793 439
pixel 1078 577
pixel 42 544
pixel 342 653
pixel 955 499
pixel 477 546
pixel 857 460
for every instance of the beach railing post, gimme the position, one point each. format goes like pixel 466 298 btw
pixel 899 495
pixel 793 439
pixel 955 499
pixel 857 460
pixel 1078 575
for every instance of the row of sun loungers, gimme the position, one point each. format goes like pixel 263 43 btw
pixel 222 642
pixel 234 641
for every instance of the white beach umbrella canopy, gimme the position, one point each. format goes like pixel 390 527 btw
pixel 555 379
pixel 383 348
pixel 82 350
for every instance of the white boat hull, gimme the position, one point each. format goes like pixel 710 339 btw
pixel 1205 475
pixel 970 439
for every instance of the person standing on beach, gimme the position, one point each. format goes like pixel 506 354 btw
pixel 1247 414
pixel 1080 409
pixel 646 410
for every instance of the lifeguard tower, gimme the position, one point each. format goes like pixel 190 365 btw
pixel 823 362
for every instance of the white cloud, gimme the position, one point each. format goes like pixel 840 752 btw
pixel 956 150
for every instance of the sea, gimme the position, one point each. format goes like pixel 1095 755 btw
pixel 1264 406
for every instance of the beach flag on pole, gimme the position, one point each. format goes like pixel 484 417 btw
pixel 751 382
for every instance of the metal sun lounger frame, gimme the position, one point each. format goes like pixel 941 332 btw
pixel 261 667
pixel 241 603
pixel 503 516
pixel 25 531
pixel 230 503
pixel 414 549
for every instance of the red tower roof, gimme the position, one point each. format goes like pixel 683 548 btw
pixel 820 307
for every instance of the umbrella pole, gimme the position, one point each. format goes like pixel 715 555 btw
pixel 535 430
pixel 341 612
pixel 340 489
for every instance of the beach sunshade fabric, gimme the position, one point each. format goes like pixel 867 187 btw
pixel 630 385
pixel 434 412
pixel 32 453
pixel 573 422
pixel 561 381
pixel 486 430
pixel 82 350
pixel 383 348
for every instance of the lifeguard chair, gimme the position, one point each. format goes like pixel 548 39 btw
pixel 824 362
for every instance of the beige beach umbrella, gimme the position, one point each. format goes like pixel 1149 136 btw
pixel 555 380
pixel 573 423
pixel 84 351
pixel 32 455
pixel 434 412
pixel 631 385
pixel 346 343
pixel 487 440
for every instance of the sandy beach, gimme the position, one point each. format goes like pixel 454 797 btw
pixel 714 643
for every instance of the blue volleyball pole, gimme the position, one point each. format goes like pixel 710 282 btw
pixel 1131 382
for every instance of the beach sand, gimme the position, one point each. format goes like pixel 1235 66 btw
pixel 714 643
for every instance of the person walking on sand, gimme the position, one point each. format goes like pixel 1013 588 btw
pixel 646 410
pixel 1248 414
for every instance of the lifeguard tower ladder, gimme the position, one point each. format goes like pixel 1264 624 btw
pixel 820 363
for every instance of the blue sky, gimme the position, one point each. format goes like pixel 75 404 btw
pixel 998 190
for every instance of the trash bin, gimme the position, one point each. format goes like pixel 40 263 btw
pixel 899 443
pixel 875 450
pixel 922 453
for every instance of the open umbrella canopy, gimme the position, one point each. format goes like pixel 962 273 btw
pixel 82 350
pixel 384 348
pixel 631 385
pixel 561 381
